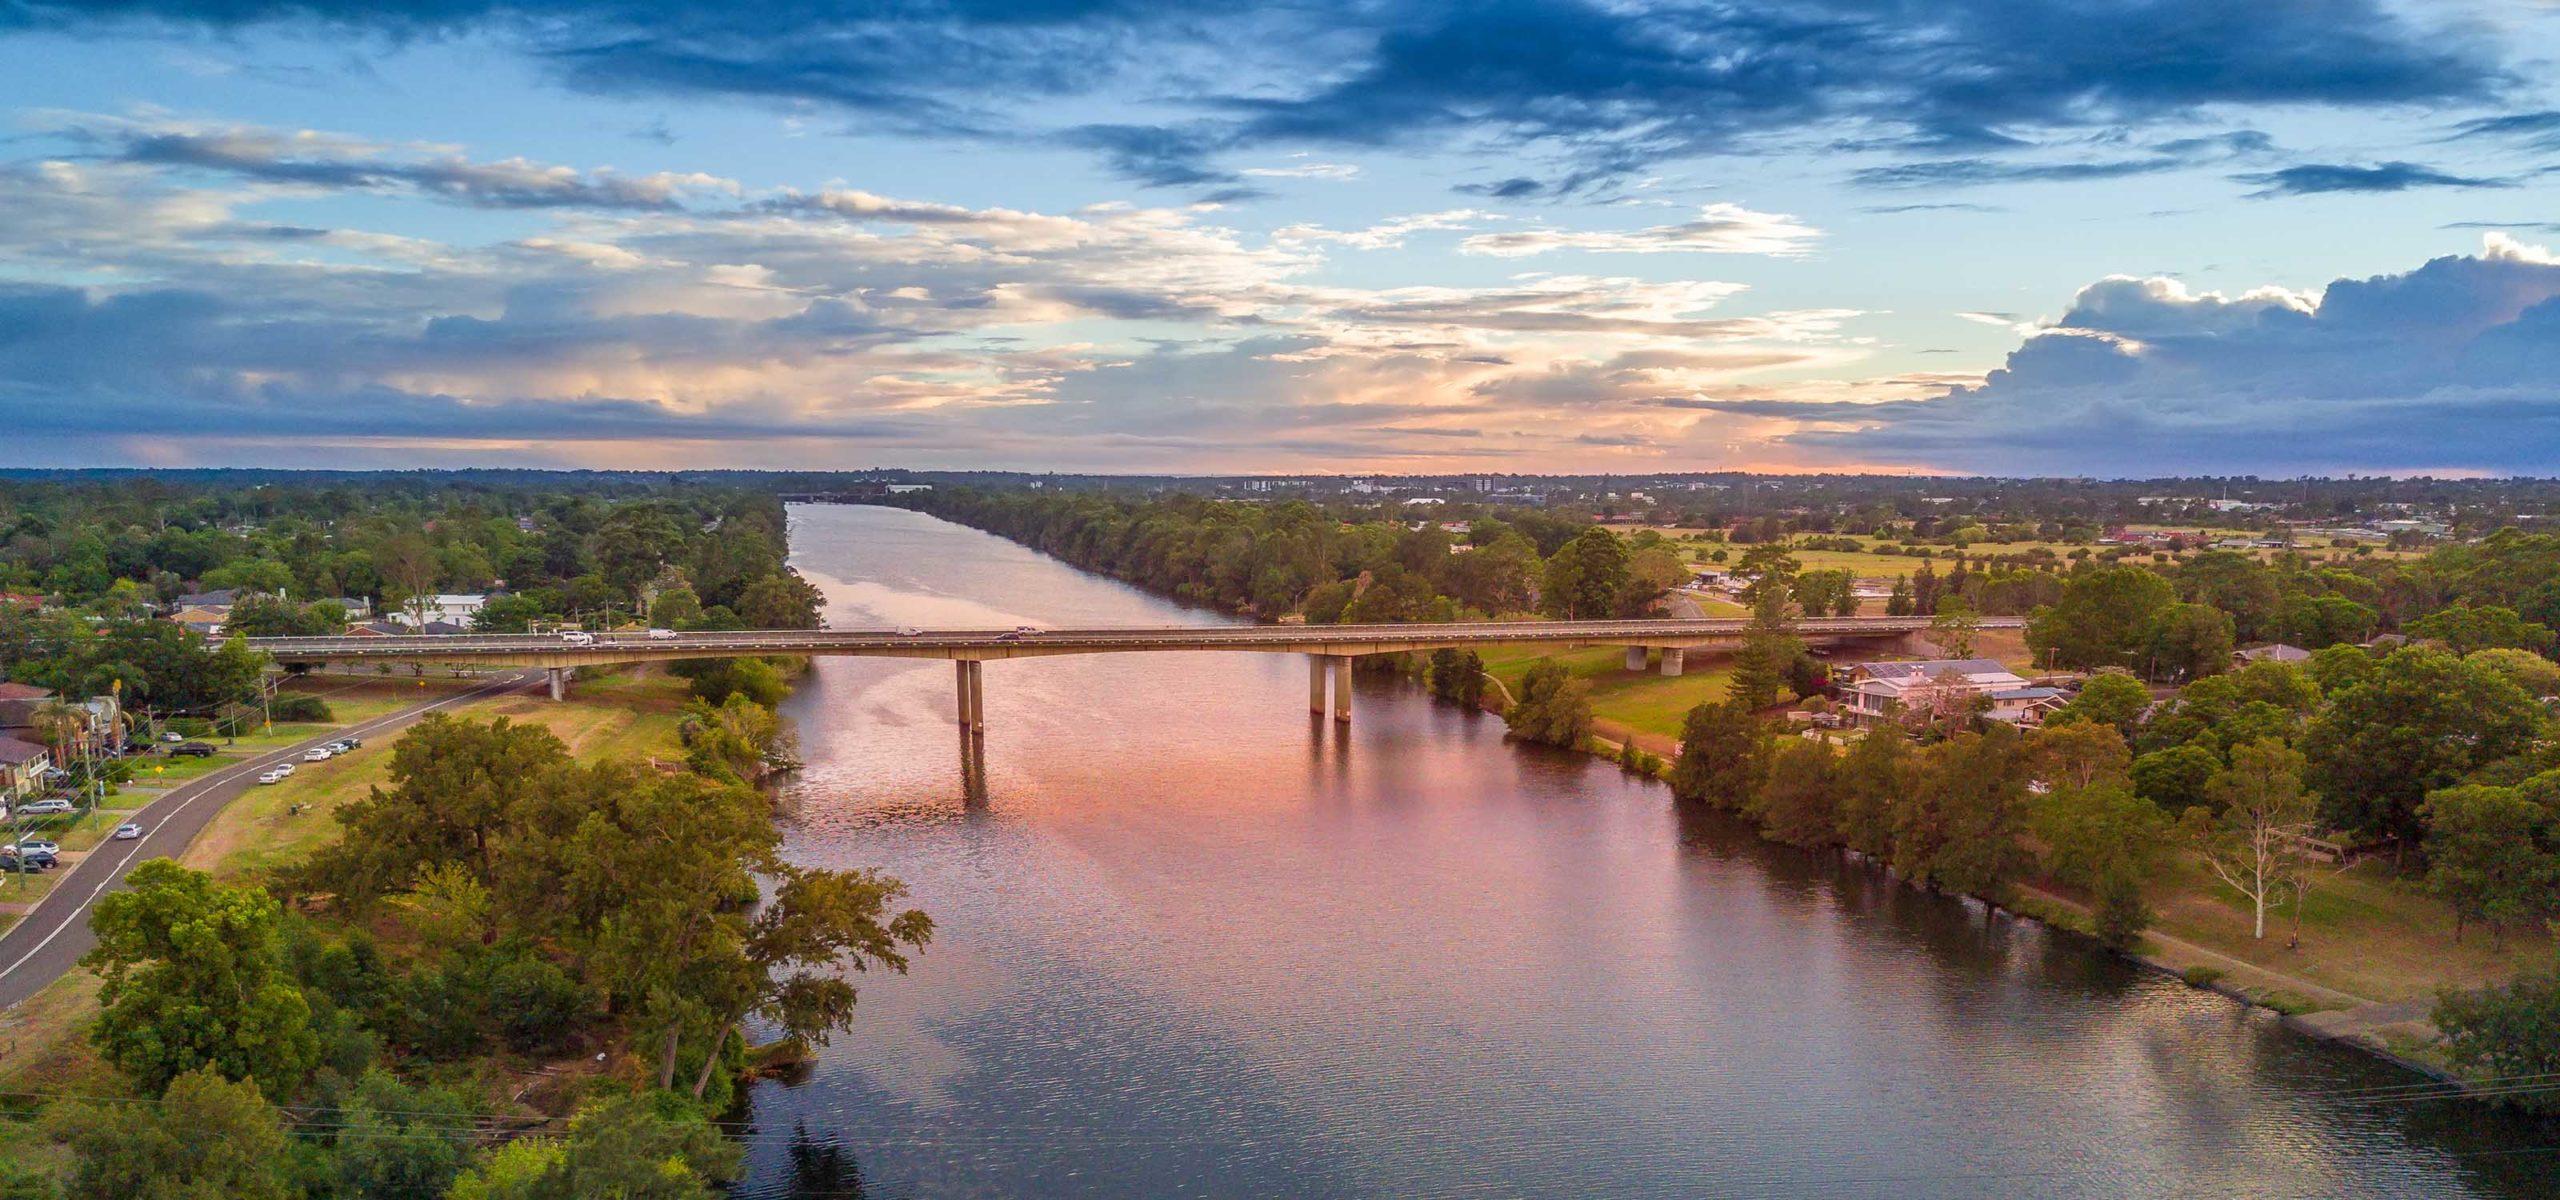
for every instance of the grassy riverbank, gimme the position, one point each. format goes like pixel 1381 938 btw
pixel 629 716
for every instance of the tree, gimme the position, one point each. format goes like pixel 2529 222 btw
pixel 194 978
pixel 1897 603
pixel 675 608
pixel 1874 777
pixel 2538 676
pixel 1457 676
pixel 2464 629
pixel 1585 578
pixel 1798 803
pixel 454 787
pixel 2424 720
pixel 207 1139
pixel 2081 754
pixel 2253 843
pixel 1954 626
pixel 2189 641
pixel 1553 707
pixel 811 921
pixel 641 1147
pixel 2489 856
pixel 2109 698
pixel 410 571
pixel 2507 1031
pixel 2177 778
pixel 2104 618
pixel 1723 755
pixel 1770 648
pixel 399 1142
pixel 1961 829
pixel 1652 570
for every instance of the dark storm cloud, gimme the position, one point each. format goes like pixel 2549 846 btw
pixel 1602 90
pixel 2311 179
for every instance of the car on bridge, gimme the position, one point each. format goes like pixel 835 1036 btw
pixel 662 635
pixel 578 637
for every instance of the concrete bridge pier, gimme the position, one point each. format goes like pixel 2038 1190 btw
pixel 1635 658
pixel 1342 688
pixel 1673 659
pixel 558 677
pixel 973 694
pixel 1317 666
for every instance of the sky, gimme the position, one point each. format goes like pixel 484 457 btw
pixel 2074 237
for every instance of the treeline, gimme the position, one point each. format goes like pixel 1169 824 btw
pixel 342 1031
pixel 2442 757
pixel 1297 558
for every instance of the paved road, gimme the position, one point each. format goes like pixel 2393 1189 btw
pixel 48 942
pixel 554 650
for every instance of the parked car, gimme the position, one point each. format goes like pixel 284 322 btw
pixel 173 737
pixel 319 754
pixel 44 808
pixel 11 862
pixel 662 635
pixel 285 767
pixel 347 743
pixel 192 750
pixel 127 832
pixel 39 844
pixel 42 860
pixel 272 777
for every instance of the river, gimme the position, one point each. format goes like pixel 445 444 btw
pixel 1194 943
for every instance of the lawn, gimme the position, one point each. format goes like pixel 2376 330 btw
pixel 1646 702
pixel 629 716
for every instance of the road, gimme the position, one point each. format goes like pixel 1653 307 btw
pixel 49 941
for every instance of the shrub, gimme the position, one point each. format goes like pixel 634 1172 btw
pixel 299 706
pixel 2202 977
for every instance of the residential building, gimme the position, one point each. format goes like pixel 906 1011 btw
pixel 206 621
pixel 456 610
pixel 1876 692
pixel 22 767
pixel 2271 652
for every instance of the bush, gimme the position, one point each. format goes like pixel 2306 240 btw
pixel 2510 1029
pixel 2202 977
pixel 299 706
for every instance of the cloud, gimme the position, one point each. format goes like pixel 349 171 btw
pixel 1721 228
pixel 2310 179
pixel 2540 130
pixel 1313 170
pixel 2445 367
pixel 1641 83
pixel 2173 155
pixel 314 159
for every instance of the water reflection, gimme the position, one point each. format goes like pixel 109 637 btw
pixel 1196 942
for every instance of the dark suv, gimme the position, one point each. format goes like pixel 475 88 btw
pixel 192 750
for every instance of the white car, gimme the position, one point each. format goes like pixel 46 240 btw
pixel 38 845
pixel 284 768
pixel 44 808
pixel 272 777
pixel 662 635
pixel 319 754
pixel 578 637
pixel 909 631
pixel 127 832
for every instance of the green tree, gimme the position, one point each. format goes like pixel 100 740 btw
pixel 2176 778
pixel 2507 1031
pixel 207 1139
pixel 1723 755
pixel 454 787
pixel 1770 648
pixel 2189 641
pixel 1962 827
pixel 2424 720
pixel 1898 602
pixel 2464 629
pixel 1875 777
pixel 2251 841
pixel 2538 676
pixel 675 608
pixel 1954 626
pixel 2109 698
pixel 1586 577
pixel 2104 618
pixel 2489 856
pixel 194 978
pixel 1552 707
pixel 1458 676
pixel 1798 803
pixel 399 1142
pixel 645 1147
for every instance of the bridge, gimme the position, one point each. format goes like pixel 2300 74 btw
pixel 1330 647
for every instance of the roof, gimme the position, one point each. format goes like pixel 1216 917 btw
pixel 17 753
pixel 23 691
pixel 2275 652
pixel 1930 668
pixel 222 598
pixel 2027 693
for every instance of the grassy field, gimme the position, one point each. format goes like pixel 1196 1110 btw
pixel 629 716
pixel 1645 702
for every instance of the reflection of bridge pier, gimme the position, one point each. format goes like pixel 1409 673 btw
pixel 1338 666
pixel 973 771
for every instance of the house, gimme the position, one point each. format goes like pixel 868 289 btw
pixel 1876 692
pixel 22 767
pixel 206 621
pixel 20 600
pixel 2271 652
pixel 223 599
pixel 18 705
pixel 452 609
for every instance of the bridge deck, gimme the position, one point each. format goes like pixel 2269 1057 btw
pixel 555 650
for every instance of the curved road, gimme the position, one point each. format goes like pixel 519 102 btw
pixel 49 941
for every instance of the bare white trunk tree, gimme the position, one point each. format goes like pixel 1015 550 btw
pixel 2254 844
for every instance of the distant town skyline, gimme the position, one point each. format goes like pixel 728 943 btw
pixel 2173 237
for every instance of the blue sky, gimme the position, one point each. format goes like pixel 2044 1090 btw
pixel 1531 235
